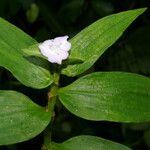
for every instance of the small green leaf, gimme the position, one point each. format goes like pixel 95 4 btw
pixel 31 71
pixel 20 118
pixel 87 143
pixel 33 50
pixel 32 13
pixel 112 96
pixel 94 40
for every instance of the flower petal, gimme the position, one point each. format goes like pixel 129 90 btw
pixel 66 46
pixel 61 39
pixel 56 49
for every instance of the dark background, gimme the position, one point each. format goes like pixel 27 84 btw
pixel 43 19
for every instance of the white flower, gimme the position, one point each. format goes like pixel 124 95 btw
pixel 56 49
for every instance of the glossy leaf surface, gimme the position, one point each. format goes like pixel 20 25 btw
pixel 93 41
pixel 31 71
pixel 88 143
pixel 20 118
pixel 112 96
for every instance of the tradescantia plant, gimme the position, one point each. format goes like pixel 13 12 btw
pixel 109 96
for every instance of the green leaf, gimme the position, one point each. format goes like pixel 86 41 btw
pixel 20 118
pixel 94 40
pixel 32 13
pixel 87 143
pixel 33 50
pixel 112 96
pixel 26 69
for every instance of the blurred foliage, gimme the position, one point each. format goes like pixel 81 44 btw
pixel 45 19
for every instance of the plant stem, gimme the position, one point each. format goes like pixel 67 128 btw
pixel 52 97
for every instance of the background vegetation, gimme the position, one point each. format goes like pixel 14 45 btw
pixel 44 19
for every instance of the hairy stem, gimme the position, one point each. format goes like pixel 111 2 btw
pixel 52 97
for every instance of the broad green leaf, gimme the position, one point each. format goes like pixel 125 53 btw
pixel 94 40
pixel 31 71
pixel 87 143
pixel 20 118
pixel 112 96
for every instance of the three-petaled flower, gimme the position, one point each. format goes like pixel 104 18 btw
pixel 56 49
